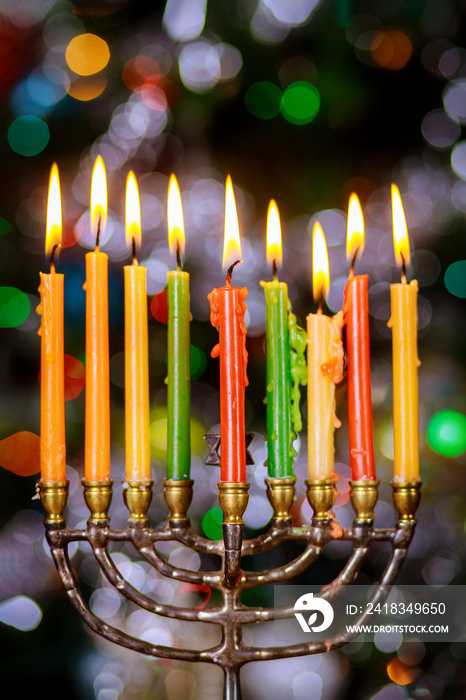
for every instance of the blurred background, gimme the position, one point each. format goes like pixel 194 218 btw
pixel 304 102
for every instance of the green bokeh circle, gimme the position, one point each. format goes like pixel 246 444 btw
pixel 14 307
pixel 262 100
pixel 455 279
pixel 300 103
pixel 28 135
pixel 446 433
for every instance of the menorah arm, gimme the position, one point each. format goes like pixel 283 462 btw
pixel 112 634
pixel 212 579
pixel 117 580
pixel 282 573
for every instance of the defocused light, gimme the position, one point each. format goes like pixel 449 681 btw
pixel 87 54
pixel 458 159
pixel 212 523
pixel 139 69
pixel 14 307
pixel 455 279
pixel 20 612
pixel 439 130
pixel 262 100
pixel 300 103
pixel 184 19
pixel 446 433
pixel 454 100
pixel 399 673
pixel 158 434
pixel 198 362
pixel 20 453
pixel 231 239
pixel 199 66
pixel 75 377
pixel 159 307
pixel 28 135
pixel 5 227
pixel 291 13
pixel 391 49
pixel 86 89
pixel 230 61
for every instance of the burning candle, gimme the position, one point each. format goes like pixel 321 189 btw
pixel 356 312
pixel 403 323
pixel 137 424
pixel 52 370
pixel 325 367
pixel 227 309
pixel 179 367
pixel 97 419
pixel 286 367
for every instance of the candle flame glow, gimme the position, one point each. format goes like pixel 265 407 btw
pixel 54 213
pixel 355 229
pixel 400 230
pixel 98 196
pixel 320 269
pixel 231 241
pixel 274 235
pixel 132 211
pixel 175 217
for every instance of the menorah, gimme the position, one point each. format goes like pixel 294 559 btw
pixel 230 580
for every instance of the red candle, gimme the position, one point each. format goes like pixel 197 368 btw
pixel 356 311
pixel 227 312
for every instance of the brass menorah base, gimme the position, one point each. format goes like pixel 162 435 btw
pixel 231 614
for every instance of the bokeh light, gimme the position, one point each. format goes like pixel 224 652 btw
pixel 19 453
pixel 399 673
pixel 446 433
pixel 455 279
pixel 212 523
pixel 28 135
pixel 14 307
pixel 75 377
pixel 198 362
pixel 262 99
pixel 20 612
pixel 88 88
pixel 87 54
pixel 300 102
pixel 391 49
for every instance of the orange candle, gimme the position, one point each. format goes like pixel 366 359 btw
pixel 52 370
pixel 137 423
pixel 227 312
pixel 97 419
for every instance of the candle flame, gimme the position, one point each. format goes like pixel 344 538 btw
pixel 98 196
pixel 274 235
pixel 176 239
pixel 54 214
pixel 320 270
pixel 132 211
pixel 400 230
pixel 355 229
pixel 231 241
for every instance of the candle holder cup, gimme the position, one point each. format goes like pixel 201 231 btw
pixel 231 653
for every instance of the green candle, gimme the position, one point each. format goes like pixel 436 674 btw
pixel 179 371
pixel 179 379
pixel 286 366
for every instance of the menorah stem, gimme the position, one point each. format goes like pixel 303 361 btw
pixel 233 499
pixel 232 687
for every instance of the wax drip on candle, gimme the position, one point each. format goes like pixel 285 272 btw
pixel 230 272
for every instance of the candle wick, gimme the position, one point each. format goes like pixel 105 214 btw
pixel 52 257
pixel 274 269
pixel 178 255
pixel 97 239
pixel 320 305
pixel 404 279
pixel 133 246
pixel 230 272
pixel 353 261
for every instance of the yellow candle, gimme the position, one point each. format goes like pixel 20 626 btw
pixel 403 323
pixel 325 368
pixel 97 419
pixel 52 371
pixel 137 423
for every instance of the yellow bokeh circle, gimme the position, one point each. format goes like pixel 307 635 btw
pixel 87 54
